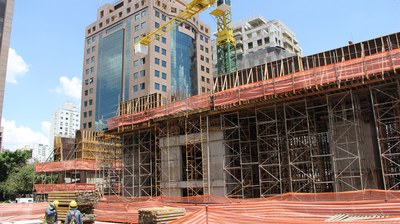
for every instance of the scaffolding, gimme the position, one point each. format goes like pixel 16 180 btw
pixel 322 123
pixel 386 110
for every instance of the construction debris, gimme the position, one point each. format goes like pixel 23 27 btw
pixel 160 215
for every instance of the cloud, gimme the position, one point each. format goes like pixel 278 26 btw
pixel 46 127
pixel 18 137
pixel 16 66
pixel 70 87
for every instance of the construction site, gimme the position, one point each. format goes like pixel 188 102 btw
pixel 308 139
pixel 326 123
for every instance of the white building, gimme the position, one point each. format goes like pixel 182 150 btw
pixel 40 153
pixel 259 41
pixel 64 122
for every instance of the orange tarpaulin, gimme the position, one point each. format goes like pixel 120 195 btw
pixel 382 206
pixel 378 63
pixel 67 165
pixel 11 212
pixel 45 188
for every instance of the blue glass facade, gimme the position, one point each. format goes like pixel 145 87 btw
pixel 183 66
pixel 109 77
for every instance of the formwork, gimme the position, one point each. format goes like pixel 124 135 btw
pixel 322 123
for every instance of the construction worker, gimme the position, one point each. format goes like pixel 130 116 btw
pixel 50 214
pixel 74 216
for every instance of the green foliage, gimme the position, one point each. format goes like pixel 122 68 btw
pixel 10 161
pixel 20 181
pixel 16 177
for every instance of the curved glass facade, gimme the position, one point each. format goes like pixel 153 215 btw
pixel 109 77
pixel 183 66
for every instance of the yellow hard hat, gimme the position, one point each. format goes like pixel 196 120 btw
pixel 73 204
pixel 56 203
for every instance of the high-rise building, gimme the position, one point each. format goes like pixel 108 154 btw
pixel 177 65
pixel 64 122
pixel 40 153
pixel 259 41
pixel 6 14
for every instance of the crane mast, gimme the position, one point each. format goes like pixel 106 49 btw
pixel 226 44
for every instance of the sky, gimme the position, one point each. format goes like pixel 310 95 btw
pixel 47 47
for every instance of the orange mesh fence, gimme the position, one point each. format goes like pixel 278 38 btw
pixel 45 188
pixel 287 208
pixel 66 165
pixel 10 212
pixel 333 73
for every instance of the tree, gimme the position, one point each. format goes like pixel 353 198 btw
pixel 11 163
pixel 20 181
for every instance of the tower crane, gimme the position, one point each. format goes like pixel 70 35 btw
pixel 226 44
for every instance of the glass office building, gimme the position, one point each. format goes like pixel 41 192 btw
pixel 177 66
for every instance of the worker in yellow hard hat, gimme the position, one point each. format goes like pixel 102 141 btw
pixel 51 215
pixel 74 216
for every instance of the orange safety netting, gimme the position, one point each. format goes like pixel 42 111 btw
pixel 315 77
pixel 45 188
pixel 66 165
pixel 11 212
pixel 287 208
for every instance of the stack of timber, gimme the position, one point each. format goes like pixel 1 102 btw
pixel 160 215
pixel 84 199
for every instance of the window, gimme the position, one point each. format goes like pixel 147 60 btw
pixel 202 57
pixel 202 47
pixel 86 92
pixel 84 126
pixel 202 68
pixel 142 86
pixel 91 69
pixel 164 17
pixel 136 39
pixel 164 88
pixel 85 103
pixel 92 59
pixel 207 70
pixel 137 16
pixel 201 37
pixel 157 61
pixel 156 73
pixel 87 71
pixel 250 45
pixel 135 75
pixel 164 63
pixel 164 75
pixel 135 88
pixel 143 25
pixel 156 25
pixel 206 39
pixel 84 114
pixel 164 40
pixel 91 80
pixel 90 113
pixel 208 80
pixel 203 79
pixel 90 103
pixel 157 14
pixel 164 51
pixel 142 73
pixel 157 48
pixel 91 91
pixel 136 28
pixel 86 81
pixel 143 61
pixel 143 13
pixel 90 125
pixel 136 63
pixel 207 60
pixel 87 61
pixel 93 48
pixel 157 86
pixel 206 49
pixel 88 51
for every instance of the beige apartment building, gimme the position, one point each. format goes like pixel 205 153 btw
pixel 178 64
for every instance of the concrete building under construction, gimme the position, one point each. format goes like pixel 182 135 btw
pixel 327 122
